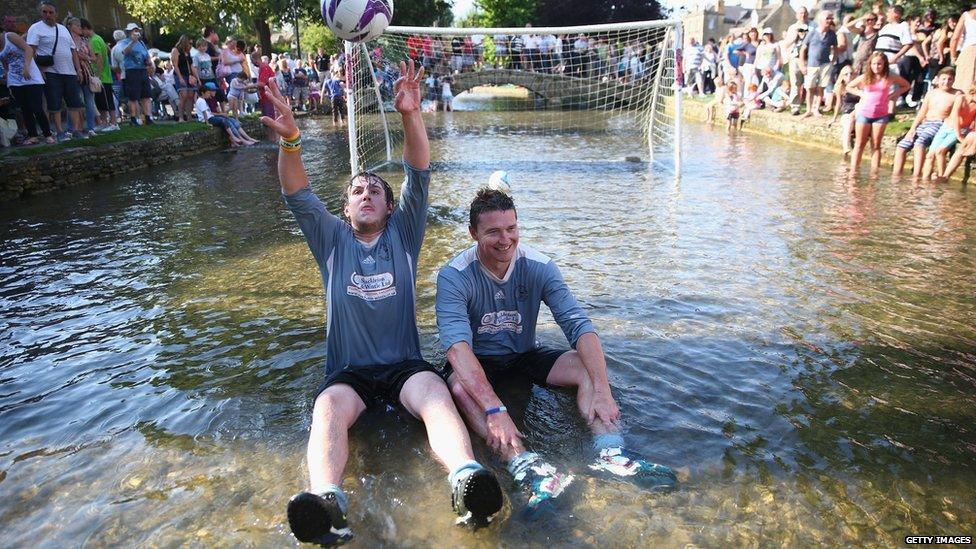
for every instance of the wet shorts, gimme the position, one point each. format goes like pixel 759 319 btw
pixel 946 138
pixel 534 365
pixel 379 384
pixel 924 134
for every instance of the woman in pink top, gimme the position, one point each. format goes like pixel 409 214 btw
pixel 873 86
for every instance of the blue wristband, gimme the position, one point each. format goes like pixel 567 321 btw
pixel 495 410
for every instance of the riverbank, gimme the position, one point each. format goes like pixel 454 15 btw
pixel 30 171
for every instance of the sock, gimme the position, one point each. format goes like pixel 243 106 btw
pixel 607 440
pixel 469 466
pixel 340 495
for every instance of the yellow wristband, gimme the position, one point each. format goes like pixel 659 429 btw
pixel 292 138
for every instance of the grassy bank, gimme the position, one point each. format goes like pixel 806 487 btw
pixel 126 133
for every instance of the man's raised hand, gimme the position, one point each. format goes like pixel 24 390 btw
pixel 407 88
pixel 284 122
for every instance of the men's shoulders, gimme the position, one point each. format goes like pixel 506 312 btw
pixel 463 260
pixel 533 256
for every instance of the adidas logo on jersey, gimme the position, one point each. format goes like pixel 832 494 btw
pixel 369 260
pixel 499 295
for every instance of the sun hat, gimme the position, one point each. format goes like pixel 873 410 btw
pixel 132 26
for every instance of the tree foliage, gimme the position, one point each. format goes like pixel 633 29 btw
pixel 507 13
pixel 588 12
pixel 314 34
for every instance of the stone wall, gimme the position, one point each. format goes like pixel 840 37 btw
pixel 805 131
pixel 32 175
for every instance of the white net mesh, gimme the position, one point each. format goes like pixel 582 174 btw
pixel 572 82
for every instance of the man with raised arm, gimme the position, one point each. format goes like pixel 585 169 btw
pixel 369 268
pixel 488 301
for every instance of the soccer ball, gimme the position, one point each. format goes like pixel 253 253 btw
pixel 357 20
pixel 498 181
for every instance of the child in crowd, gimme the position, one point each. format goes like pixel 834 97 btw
pixel 733 104
pixel 239 87
pixel 334 88
pixel 935 108
pixel 751 102
pixel 447 96
pixel 205 106
pixel 955 128
pixel 844 104
pixel 719 99
pixel 873 110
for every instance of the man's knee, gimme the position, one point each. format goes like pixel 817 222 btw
pixel 425 388
pixel 337 402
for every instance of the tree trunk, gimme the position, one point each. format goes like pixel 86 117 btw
pixel 264 35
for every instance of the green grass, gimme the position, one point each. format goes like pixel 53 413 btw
pixel 127 133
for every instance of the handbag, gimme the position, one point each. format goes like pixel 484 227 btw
pixel 223 71
pixel 95 85
pixel 48 60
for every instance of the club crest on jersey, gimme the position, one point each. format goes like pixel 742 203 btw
pixel 383 251
pixel 371 287
pixel 501 321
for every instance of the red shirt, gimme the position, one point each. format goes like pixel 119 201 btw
pixel 265 74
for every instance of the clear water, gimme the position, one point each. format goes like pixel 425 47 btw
pixel 800 345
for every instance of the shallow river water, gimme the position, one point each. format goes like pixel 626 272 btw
pixel 799 345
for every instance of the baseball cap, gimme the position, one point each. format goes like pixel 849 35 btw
pixel 210 86
pixel 767 30
pixel 132 26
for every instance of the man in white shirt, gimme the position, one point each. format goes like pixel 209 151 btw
pixel 895 38
pixel 62 76
pixel 531 53
pixel 795 35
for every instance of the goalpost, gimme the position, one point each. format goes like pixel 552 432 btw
pixel 622 77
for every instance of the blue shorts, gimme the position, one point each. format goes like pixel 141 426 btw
pixel 136 84
pixel 946 138
pixel 58 87
pixel 876 120
pixel 924 134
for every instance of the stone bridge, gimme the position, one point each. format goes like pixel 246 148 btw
pixel 556 89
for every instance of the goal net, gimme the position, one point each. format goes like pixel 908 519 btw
pixel 564 82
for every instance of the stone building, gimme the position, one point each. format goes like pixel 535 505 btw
pixel 718 19
pixel 104 15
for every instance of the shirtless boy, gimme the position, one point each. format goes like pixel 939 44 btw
pixel 935 108
pixel 953 130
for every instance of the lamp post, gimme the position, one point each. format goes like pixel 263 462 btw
pixel 298 40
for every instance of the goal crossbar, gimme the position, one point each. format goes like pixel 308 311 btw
pixel 609 27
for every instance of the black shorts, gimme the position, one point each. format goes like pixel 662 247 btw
pixel 533 365
pixel 105 99
pixel 58 87
pixel 136 84
pixel 379 384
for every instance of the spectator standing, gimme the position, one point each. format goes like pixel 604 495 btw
pixel 26 84
pixel 938 46
pixel 203 63
pixel 531 53
pixel 842 57
pixel 694 54
pixel 186 80
pixel 874 109
pixel 300 85
pixel 795 35
pixel 767 53
pixel 117 59
pixel 501 50
pixel 52 42
pixel 895 38
pixel 964 42
pixel 86 80
pixel 816 52
pixel 102 69
pixel 335 89
pixel 137 67
pixel 447 96
pixel 867 29
pixel 747 50
pixel 232 60
pixel 265 75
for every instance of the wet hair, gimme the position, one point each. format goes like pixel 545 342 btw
pixel 370 177
pixel 489 200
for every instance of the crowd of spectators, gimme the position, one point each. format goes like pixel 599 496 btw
pixel 59 80
pixel 861 70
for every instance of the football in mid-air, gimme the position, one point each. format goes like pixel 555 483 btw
pixel 357 20
pixel 498 181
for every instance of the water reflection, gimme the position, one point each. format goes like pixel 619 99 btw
pixel 799 343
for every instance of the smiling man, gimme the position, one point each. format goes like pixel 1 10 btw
pixel 488 301
pixel 369 271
